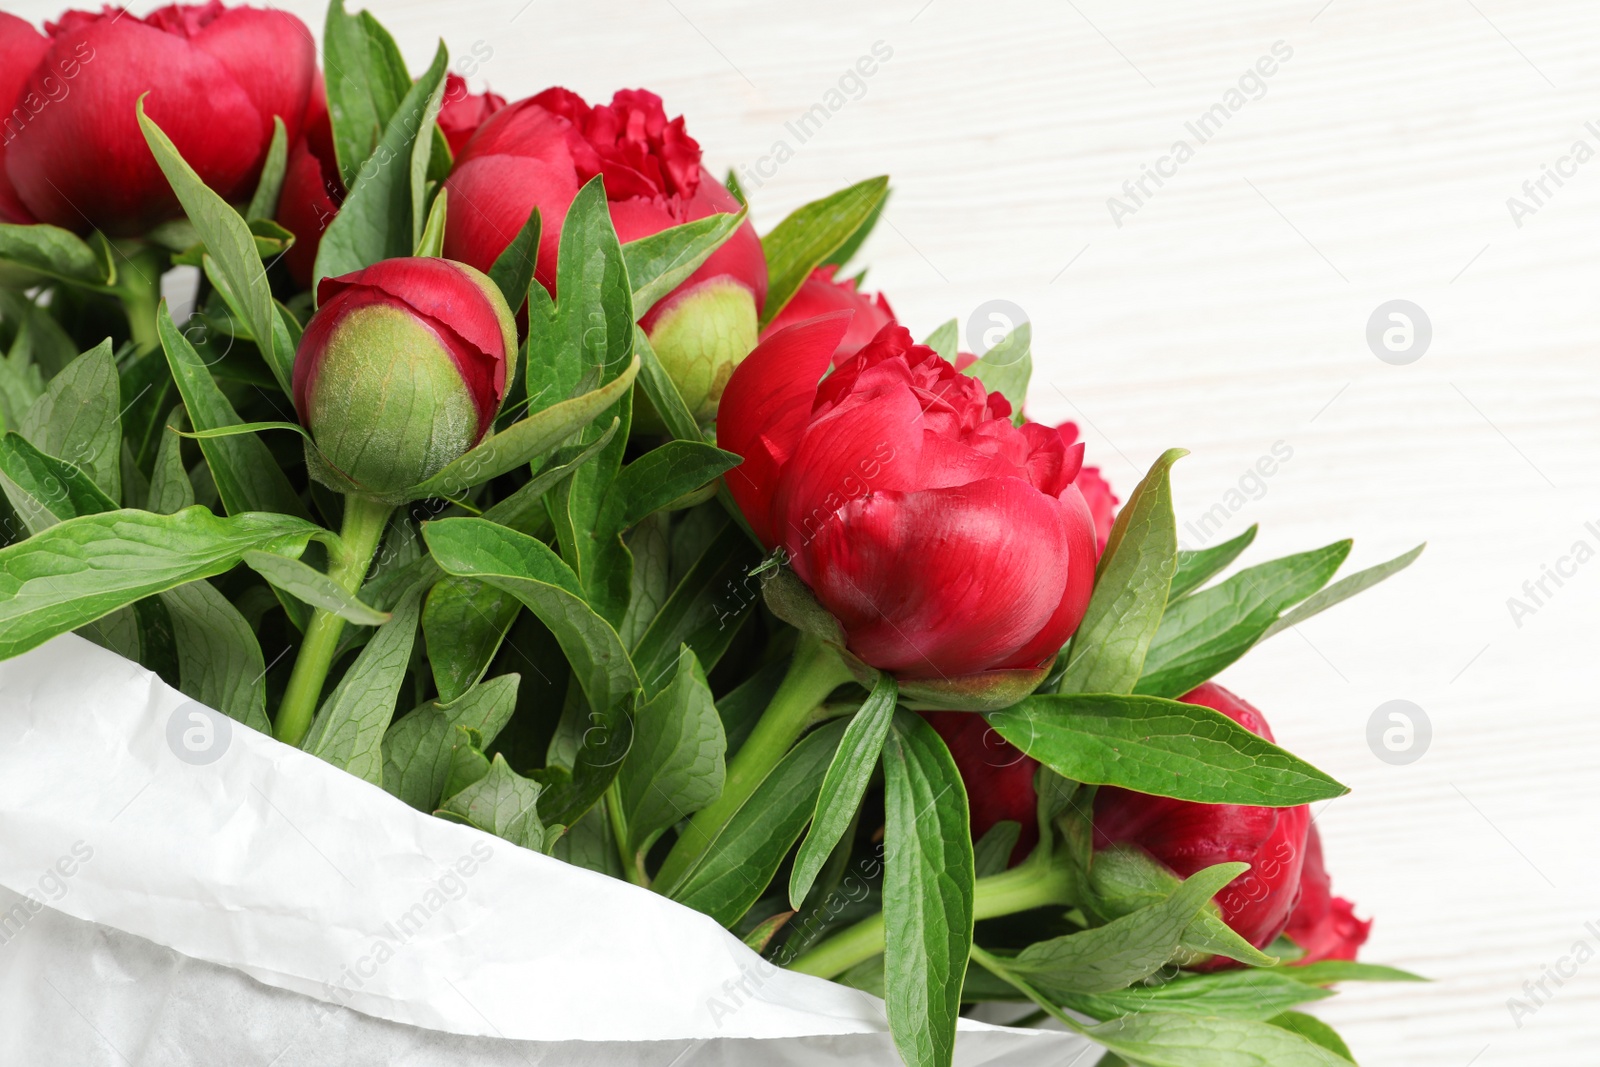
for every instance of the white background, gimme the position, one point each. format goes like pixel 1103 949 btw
pixel 1229 313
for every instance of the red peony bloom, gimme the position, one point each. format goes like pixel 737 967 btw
pixel 21 49
pixel 1095 489
pixel 1323 925
pixel 462 112
pixel 216 77
pixel 945 540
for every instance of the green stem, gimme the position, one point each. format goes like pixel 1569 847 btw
pixel 138 287
pixel 1033 884
pixel 632 865
pixel 815 671
pixel 364 523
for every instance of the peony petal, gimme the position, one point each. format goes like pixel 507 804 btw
pixel 491 198
pixel 769 398
pixel 942 582
pixel 1079 562
pixel 21 49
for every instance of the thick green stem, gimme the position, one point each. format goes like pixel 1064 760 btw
pixel 815 671
pixel 364 523
pixel 138 288
pixel 1034 884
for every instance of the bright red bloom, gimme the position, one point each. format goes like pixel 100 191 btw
pixel 403 368
pixel 462 112
pixel 998 775
pixel 21 49
pixel 1323 925
pixel 216 77
pixel 1188 837
pixel 945 540
pixel 822 294
pixel 1095 489
pixel 538 152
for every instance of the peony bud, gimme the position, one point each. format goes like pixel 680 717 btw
pixel 950 545
pixel 216 77
pixel 403 369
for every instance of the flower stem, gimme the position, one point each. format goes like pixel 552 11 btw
pixel 815 671
pixel 138 288
pixel 364 523
pixel 1036 883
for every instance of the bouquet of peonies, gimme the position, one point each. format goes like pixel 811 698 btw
pixel 497 461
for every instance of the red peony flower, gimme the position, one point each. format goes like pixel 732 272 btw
pixel 822 294
pixel 1095 489
pixel 1323 925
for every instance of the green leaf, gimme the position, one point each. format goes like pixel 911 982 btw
pixel 530 571
pixel 512 271
pixel 78 419
pixel 54 253
pixel 45 490
pixel 248 477
pixel 946 340
pixel 1206 631
pixel 416 748
pixel 705 611
pixel 463 623
pixel 431 243
pixel 467 763
pixel 659 263
pixel 382 216
pixel 526 440
pixel 852 245
pixel 844 785
pixel 219 660
pixel 805 240
pixel 504 803
pixel 675 767
pixel 366 81
pixel 229 245
pixel 1344 589
pixel 661 476
pixel 1315 1031
pixel 927 892
pixel 1326 972
pixel 1161 747
pixel 662 392
pixel 1254 993
pixel 145 385
pixel 1130 593
pixel 349 727
pixel 313 587
pixel 991 853
pixel 78 570
pixel 1126 950
pixel 1124 878
pixel 264 201
pixel 1158 1039
pixel 734 870
pixel 1007 367
pixel 1200 566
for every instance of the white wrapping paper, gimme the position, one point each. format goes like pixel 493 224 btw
pixel 178 889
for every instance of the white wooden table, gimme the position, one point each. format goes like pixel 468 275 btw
pixel 1228 313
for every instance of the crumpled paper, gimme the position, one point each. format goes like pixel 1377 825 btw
pixel 176 888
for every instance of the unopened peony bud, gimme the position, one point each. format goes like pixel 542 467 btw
pixel 403 369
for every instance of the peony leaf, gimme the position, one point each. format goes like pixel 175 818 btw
pixel 78 419
pixel 513 268
pixel 170 487
pixel 367 80
pixel 1161 747
pixel 431 243
pixel 503 803
pixel 45 490
pixel 264 201
pixel 805 240
pixel 1199 566
pixel 659 263
pixel 349 727
pixel 945 340
pixel 1343 590
pixel 416 748
pixel 1163 1039
pixel 1256 993
pixel 731 872
pixel 1206 631
pixel 1007 367
pixel 312 587
pixel 1315 1031
pixel 660 477
pixel 662 392
pixel 675 767
pixel 54 253
pixel 1108 652
pixel 382 217
pixel 219 659
pixel 1128 949
pixel 844 785
pixel 87 567
pixel 928 892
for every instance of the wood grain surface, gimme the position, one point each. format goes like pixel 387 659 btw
pixel 1227 312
